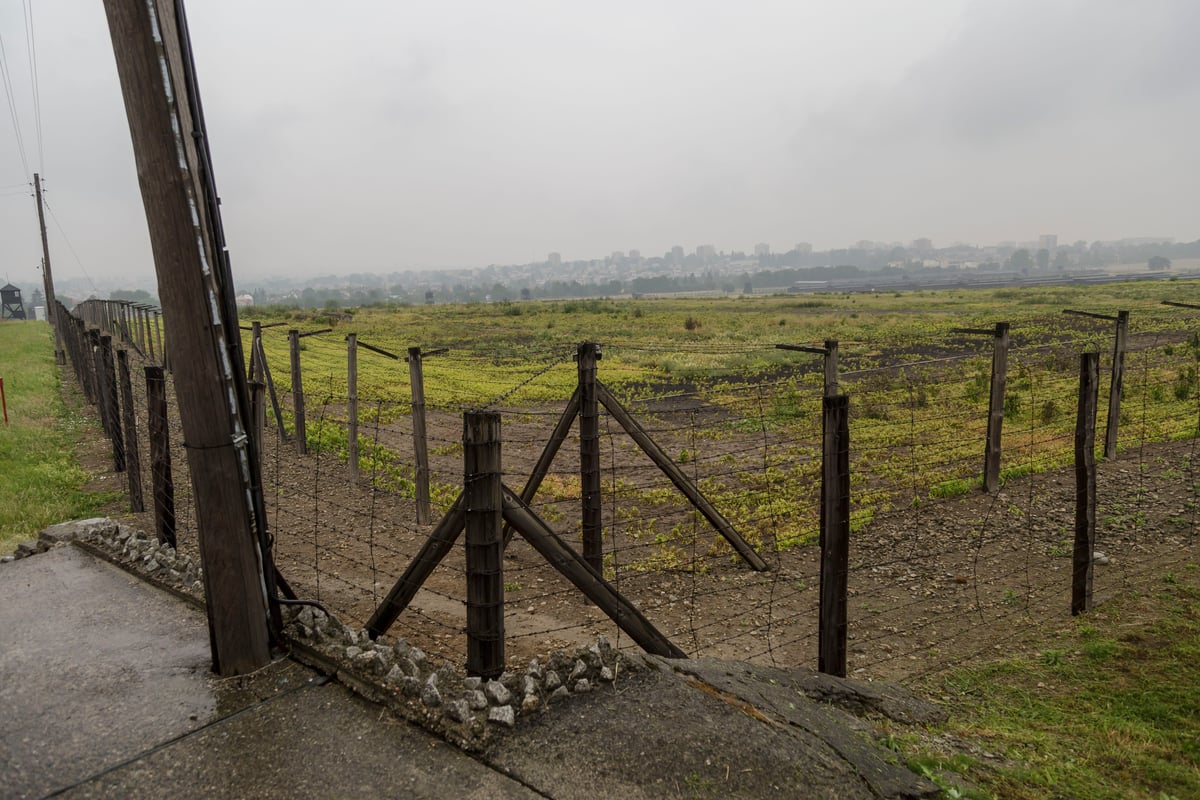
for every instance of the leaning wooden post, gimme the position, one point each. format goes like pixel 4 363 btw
pixel 1085 484
pixel 297 393
pixel 352 403
pixel 162 485
pixel 153 54
pixel 110 403
pixel 992 451
pixel 133 464
pixel 831 368
pixel 586 356
pixel 1115 388
pixel 485 543
pixel 416 379
pixel 835 536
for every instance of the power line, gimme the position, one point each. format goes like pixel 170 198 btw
pixel 31 52
pixel 6 75
pixel 70 246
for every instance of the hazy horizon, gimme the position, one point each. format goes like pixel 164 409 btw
pixel 386 137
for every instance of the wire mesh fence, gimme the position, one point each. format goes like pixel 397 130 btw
pixel 939 571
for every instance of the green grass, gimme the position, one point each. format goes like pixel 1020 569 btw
pixel 1110 708
pixel 41 483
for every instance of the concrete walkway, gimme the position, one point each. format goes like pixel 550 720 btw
pixel 106 691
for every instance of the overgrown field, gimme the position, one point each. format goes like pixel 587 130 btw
pixel 744 416
pixel 41 483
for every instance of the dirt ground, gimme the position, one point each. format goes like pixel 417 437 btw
pixel 929 586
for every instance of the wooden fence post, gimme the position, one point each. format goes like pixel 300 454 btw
pixel 297 393
pixel 835 535
pixel 109 401
pixel 95 372
pixel 1115 388
pixel 254 370
pixel 416 379
pixel 1085 484
pixel 586 356
pixel 992 451
pixel 484 538
pixel 133 463
pixel 161 483
pixel 158 335
pixel 352 404
pixel 258 413
pixel 831 368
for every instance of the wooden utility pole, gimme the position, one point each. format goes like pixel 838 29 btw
pixel 47 277
pixel 154 64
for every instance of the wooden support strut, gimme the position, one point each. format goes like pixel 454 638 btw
pixel 574 568
pixel 542 468
pixel 681 481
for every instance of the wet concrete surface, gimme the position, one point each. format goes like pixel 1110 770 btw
pixel 106 691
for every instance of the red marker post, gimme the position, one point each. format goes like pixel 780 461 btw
pixel 3 402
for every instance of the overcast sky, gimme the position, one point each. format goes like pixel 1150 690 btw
pixel 381 136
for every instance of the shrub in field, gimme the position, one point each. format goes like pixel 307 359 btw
pixel 691 323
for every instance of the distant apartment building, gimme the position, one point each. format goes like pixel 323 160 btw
pixel 706 252
pixel 554 259
pixel 762 249
pixel 922 246
pixel 1048 242
pixel 804 248
pixel 677 254
pixel 635 255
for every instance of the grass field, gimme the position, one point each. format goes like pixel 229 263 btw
pixel 41 482
pixel 1108 708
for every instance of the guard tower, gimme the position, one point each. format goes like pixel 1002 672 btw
pixel 10 303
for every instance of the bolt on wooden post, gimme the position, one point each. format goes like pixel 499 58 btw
pixel 1085 484
pixel 483 496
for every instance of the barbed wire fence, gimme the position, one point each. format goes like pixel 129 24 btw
pixel 940 570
